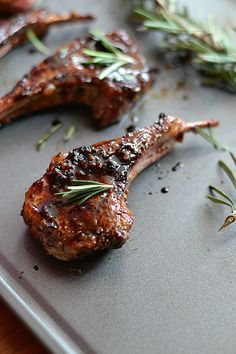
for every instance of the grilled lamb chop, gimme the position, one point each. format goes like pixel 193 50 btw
pixel 9 7
pixel 68 230
pixel 62 78
pixel 13 31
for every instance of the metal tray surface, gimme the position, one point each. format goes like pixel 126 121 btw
pixel 171 288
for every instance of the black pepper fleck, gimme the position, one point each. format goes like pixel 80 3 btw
pixel 36 268
pixel 177 166
pixel 164 190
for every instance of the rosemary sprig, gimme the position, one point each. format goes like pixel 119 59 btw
pixel 217 195
pixel 213 49
pixel 220 197
pixel 82 190
pixel 44 138
pixel 36 42
pixel 112 57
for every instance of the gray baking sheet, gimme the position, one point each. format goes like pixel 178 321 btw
pixel 171 288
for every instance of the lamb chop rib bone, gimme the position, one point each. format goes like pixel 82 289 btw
pixel 69 231
pixel 62 78
pixel 13 30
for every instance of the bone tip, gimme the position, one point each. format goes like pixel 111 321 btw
pixel 209 123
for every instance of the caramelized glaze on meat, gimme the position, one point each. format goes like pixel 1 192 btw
pixel 63 79
pixel 70 231
pixel 13 31
pixel 9 7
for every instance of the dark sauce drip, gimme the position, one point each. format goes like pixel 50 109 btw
pixel 164 190
pixel 177 166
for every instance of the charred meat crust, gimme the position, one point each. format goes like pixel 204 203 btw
pixel 69 231
pixel 13 30
pixel 62 78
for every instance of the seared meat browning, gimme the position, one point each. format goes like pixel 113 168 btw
pixel 9 7
pixel 62 78
pixel 69 231
pixel 13 30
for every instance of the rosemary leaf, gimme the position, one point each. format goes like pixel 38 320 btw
pixel 69 133
pixel 108 45
pixel 219 58
pixel 228 171
pixel 99 54
pixel 81 182
pixel 52 130
pixel 106 72
pixel 218 201
pixel 224 195
pixel 233 157
pixel 82 190
pixel 36 42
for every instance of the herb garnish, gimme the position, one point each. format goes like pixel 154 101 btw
pixel 217 195
pixel 52 130
pixel 213 49
pixel 220 197
pixel 82 190
pixel 112 57
pixel 36 42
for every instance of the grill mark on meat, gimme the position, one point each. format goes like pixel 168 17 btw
pixel 62 78
pixel 70 231
pixel 13 30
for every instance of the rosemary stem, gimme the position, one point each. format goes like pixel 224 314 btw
pixel 36 42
